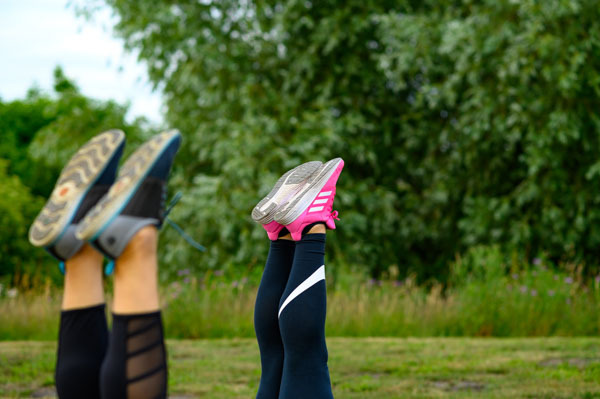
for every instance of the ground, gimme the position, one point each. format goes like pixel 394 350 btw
pixel 539 368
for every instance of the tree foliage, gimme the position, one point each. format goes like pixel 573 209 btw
pixel 462 123
pixel 39 134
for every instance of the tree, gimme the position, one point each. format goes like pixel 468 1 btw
pixel 461 123
pixel 39 134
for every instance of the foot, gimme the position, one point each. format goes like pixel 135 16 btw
pixel 314 202
pixel 85 179
pixel 135 200
pixel 286 187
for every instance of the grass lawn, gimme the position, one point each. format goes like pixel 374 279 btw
pixel 530 368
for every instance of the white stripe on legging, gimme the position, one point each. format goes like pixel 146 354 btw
pixel 313 279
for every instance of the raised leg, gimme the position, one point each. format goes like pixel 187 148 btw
pixel 266 325
pixel 135 366
pixel 302 313
pixel 83 334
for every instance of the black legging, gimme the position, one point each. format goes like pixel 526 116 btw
pixel 131 366
pixel 289 319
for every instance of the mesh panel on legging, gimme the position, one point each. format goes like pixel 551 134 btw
pixel 136 363
pixel 146 359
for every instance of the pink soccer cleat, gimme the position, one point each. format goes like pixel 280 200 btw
pixel 285 188
pixel 314 203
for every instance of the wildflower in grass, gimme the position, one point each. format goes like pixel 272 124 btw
pixel 183 272
pixel 398 283
pixel 556 277
pixel 533 292
pixel 219 273
pixel 175 290
pixel 537 261
pixel 515 276
pixel 234 284
pixel 568 280
pixel 12 293
pixel 186 280
pixel 597 279
pixel 551 292
pixel 244 280
pixel 523 289
pixel 568 301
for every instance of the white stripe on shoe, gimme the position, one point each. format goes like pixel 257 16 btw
pixel 313 279
pixel 315 209
pixel 321 201
pixel 324 194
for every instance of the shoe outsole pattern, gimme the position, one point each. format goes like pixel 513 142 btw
pixel 302 200
pixel 286 187
pixel 130 176
pixel 76 178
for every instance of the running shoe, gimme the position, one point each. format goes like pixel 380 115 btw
pixel 286 187
pixel 314 202
pixel 137 199
pixel 84 180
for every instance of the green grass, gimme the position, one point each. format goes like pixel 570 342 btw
pixel 485 296
pixel 527 305
pixel 531 368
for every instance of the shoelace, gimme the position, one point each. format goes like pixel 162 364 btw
pixel 334 215
pixel 178 229
pixel 110 266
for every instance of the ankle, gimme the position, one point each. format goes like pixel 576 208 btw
pixel 317 229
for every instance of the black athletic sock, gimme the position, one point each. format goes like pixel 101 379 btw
pixel 272 284
pixel 82 343
pixel 302 324
pixel 135 366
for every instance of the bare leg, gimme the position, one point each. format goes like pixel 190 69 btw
pixel 317 229
pixel 136 275
pixel 83 280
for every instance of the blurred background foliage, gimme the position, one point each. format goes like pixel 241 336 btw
pixel 39 133
pixel 463 124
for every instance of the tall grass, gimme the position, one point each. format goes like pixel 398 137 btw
pixel 486 297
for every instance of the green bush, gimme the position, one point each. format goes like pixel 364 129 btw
pixel 17 208
pixel 39 134
pixel 503 107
